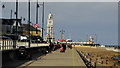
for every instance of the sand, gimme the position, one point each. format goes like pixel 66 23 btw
pixel 101 56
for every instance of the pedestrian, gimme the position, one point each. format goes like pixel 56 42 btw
pixel 51 46
pixel 63 48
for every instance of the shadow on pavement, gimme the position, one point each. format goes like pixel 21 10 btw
pixel 15 63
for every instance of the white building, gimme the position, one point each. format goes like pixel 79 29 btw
pixel 50 36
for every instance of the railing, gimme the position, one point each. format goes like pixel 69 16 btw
pixel 32 44
pixel 6 44
pixel 10 44
pixel 86 61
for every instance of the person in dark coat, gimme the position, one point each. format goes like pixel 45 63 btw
pixel 63 48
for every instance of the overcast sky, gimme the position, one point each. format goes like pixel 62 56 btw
pixel 79 19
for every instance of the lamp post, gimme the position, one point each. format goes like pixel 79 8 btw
pixel 11 14
pixel 29 21
pixel 3 6
pixel 62 34
pixel 16 13
pixel 43 20
pixel 16 16
pixel 96 37
pixel 37 6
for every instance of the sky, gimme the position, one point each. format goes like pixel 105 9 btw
pixel 79 20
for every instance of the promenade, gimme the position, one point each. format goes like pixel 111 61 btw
pixel 56 58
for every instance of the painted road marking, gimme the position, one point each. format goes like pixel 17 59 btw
pixel 73 58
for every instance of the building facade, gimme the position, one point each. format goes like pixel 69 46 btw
pixel 8 26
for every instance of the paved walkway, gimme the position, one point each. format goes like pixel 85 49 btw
pixel 69 58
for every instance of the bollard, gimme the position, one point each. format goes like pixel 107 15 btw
pixel 90 60
pixel 95 63
pixel 102 62
pixel 106 61
pixel 114 64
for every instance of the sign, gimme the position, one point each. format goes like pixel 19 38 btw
pixel 36 25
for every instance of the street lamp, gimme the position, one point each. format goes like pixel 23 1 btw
pixel 29 21
pixel 62 34
pixel 3 6
pixel 16 13
pixel 37 6
pixel 11 14
pixel 96 37
pixel 43 20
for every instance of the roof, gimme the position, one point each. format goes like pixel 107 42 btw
pixel 62 40
pixel 9 21
pixel 31 27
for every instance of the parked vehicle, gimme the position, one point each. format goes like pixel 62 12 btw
pixel 5 38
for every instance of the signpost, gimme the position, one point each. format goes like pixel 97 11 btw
pixel 36 25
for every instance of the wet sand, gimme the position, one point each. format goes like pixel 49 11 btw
pixel 101 56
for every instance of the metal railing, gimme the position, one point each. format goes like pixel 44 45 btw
pixel 87 63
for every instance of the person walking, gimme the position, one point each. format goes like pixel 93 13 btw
pixel 63 48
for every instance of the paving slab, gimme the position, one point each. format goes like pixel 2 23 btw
pixel 56 58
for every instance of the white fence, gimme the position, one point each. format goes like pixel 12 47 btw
pixel 9 44
pixel 6 44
